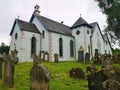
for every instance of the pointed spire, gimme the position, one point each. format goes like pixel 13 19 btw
pixel 36 9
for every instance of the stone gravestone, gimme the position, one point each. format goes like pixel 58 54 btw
pixel 56 60
pixel 1 65
pixel 36 60
pixel 77 73
pixel 108 78
pixel 105 60
pixel 96 57
pixel 9 70
pixel 87 58
pixel 80 55
pixel 40 77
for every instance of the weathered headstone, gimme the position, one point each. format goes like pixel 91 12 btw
pixel 91 69
pixel 105 79
pixel 80 55
pixel 96 57
pixel 111 84
pixel 56 59
pixel 36 60
pixel 40 77
pixel 105 60
pixel 87 58
pixel 42 55
pixel 1 65
pixel 46 56
pixel 77 73
pixel 9 70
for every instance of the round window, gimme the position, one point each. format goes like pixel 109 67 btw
pixel 78 32
pixel 16 36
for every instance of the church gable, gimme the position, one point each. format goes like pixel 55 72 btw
pixel 25 26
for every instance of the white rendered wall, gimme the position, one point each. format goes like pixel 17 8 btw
pixel 81 40
pixel 23 44
pixel 97 36
pixel 54 37
pixel 45 40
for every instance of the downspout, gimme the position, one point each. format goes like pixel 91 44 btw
pixel 84 38
pixel 91 47
pixel 75 49
pixel 40 42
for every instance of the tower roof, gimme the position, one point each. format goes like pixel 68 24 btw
pixel 80 22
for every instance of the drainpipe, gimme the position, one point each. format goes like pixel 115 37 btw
pixel 75 49
pixel 40 42
pixel 91 47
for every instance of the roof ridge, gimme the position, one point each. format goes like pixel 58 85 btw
pixel 52 20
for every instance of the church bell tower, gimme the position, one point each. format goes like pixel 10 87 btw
pixel 36 9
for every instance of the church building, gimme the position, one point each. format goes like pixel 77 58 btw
pixel 45 37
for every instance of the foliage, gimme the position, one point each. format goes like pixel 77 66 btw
pixel 4 49
pixel 116 52
pixel 112 9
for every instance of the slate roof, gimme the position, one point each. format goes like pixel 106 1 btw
pixel 26 26
pixel 80 22
pixel 54 26
pixel 93 25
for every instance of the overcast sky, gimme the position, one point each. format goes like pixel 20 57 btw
pixel 59 10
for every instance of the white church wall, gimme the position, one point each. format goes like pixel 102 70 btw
pixel 81 40
pixel 23 43
pixel 54 37
pixel 26 46
pixel 16 43
pixel 41 28
pixel 96 40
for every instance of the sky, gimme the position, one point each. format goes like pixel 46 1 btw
pixel 67 11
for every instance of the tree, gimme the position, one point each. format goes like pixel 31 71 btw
pixel 112 9
pixel 4 48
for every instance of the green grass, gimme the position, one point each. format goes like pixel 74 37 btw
pixel 59 72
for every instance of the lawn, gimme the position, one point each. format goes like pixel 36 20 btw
pixel 59 72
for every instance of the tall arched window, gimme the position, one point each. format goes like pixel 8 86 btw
pixel 71 48
pixel 60 47
pixel 33 46
pixel 43 34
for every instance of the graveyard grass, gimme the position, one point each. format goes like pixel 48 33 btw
pixel 59 72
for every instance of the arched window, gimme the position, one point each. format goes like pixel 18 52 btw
pixel 60 47
pixel 43 34
pixel 71 48
pixel 33 46
pixel 16 36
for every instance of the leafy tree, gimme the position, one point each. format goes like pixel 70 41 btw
pixel 112 9
pixel 4 48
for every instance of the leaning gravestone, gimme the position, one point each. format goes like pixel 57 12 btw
pixel 9 70
pixel 1 65
pixel 40 77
